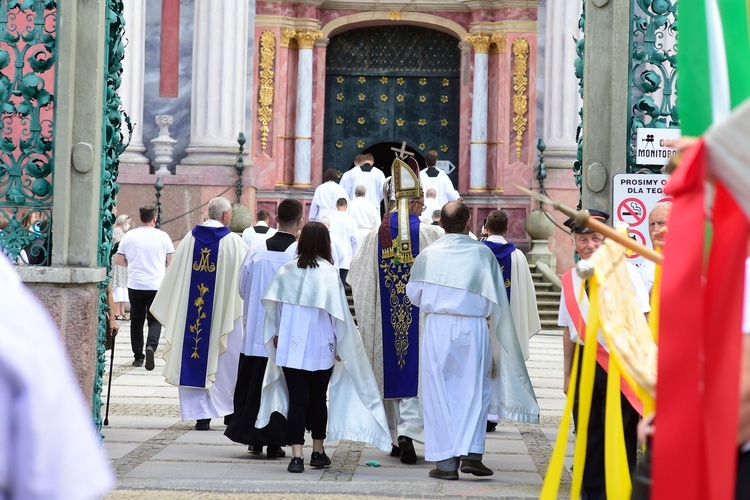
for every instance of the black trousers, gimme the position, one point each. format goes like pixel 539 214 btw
pixel 140 302
pixel 307 403
pixel 593 470
pixel 743 476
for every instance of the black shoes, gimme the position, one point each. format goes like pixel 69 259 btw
pixel 450 475
pixel 491 426
pixel 149 358
pixel 296 465
pixel 318 460
pixel 273 452
pixel 203 424
pixel 475 467
pixel 255 449
pixel 408 455
pixel 395 451
pixel 138 362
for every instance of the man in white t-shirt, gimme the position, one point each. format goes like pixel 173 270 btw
pixel 260 231
pixel 146 252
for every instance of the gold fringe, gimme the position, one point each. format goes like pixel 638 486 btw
pixel 406 257
pixel 387 253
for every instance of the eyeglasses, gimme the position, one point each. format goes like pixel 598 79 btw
pixel 423 205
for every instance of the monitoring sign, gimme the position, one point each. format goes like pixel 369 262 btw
pixel 633 196
pixel 651 145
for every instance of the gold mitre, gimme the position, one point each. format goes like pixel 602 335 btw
pixel 406 180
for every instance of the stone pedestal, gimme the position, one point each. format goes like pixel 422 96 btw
pixel 540 228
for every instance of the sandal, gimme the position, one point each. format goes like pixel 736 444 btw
pixel 126 317
pixel 119 318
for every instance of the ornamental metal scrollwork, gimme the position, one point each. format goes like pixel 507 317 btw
pixel 265 92
pixel 28 39
pixel 520 83
pixel 652 71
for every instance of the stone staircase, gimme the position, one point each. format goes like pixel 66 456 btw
pixel 547 299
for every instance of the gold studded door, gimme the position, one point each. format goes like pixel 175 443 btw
pixel 391 84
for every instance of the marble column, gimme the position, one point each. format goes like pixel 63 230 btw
pixel 478 173
pixel 303 123
pixel 561 99
pixel 131 88
pixel 219 87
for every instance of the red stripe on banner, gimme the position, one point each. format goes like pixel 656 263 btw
pixel 722 338
pixel 170 48
pixel 678 438
pixel 602 356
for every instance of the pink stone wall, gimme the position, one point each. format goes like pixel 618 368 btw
pixel 74 310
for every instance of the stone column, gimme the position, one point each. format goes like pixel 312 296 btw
pixel 478 173
pixel 605 101
pixel 131 88
pixel 561 99
pixel 303 123
pixel 219 88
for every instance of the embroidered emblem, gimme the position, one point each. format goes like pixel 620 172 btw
pixel 195 328
pixel 399 304
pixel 204 264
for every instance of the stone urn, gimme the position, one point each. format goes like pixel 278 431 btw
pixel 540 228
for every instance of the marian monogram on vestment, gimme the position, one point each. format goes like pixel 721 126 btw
pixel 204 264
pixel 400 306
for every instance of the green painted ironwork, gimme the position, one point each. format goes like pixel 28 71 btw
pixel 113 145
pixel 578 67
pixel 27 62
pixel 653 71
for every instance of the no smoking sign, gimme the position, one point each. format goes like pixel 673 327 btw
pixel 632 211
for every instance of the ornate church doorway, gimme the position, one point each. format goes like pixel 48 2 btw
pixel 388 84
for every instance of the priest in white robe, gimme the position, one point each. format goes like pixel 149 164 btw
pixel 49 447
pixel 201 310
pixel 390 328
pixel 326 195
pixel 516 278
pixel 466 371
pixel 434 178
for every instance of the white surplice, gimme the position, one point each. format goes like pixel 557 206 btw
pixel 324 200
pixel 455 358
pixel 441 183
pixel 523 307
pixel 258 269
pixel 225 338
pixel 355 409
pixel 49 447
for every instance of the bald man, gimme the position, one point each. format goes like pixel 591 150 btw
pixel 657 231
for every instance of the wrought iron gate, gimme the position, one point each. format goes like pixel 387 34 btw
pixel 391 84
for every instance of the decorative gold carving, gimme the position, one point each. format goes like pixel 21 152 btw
pixel 423 81
pixel 444 99
pixel 383 120
pixel 383 80
pixel 399 81
pixel 360 144
pixel 400 122
pixel 339 79
pixel 339 120
pixel 444 148
pixel 195 328
pixel 288 38
pixel 395 15
pixel 383 97
pixel 339 144
pixel 361 97
pixel 498 43
pixel 361 120
pixel 446 82
pixel 362 79
pixel 307 39
pixel 339 96
pixel 520 82
pixel 265 91
pixel 422 98
pixel 444 122
pixel 422 122
pixel 400 98
pixel 422 146
pixel 481 43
